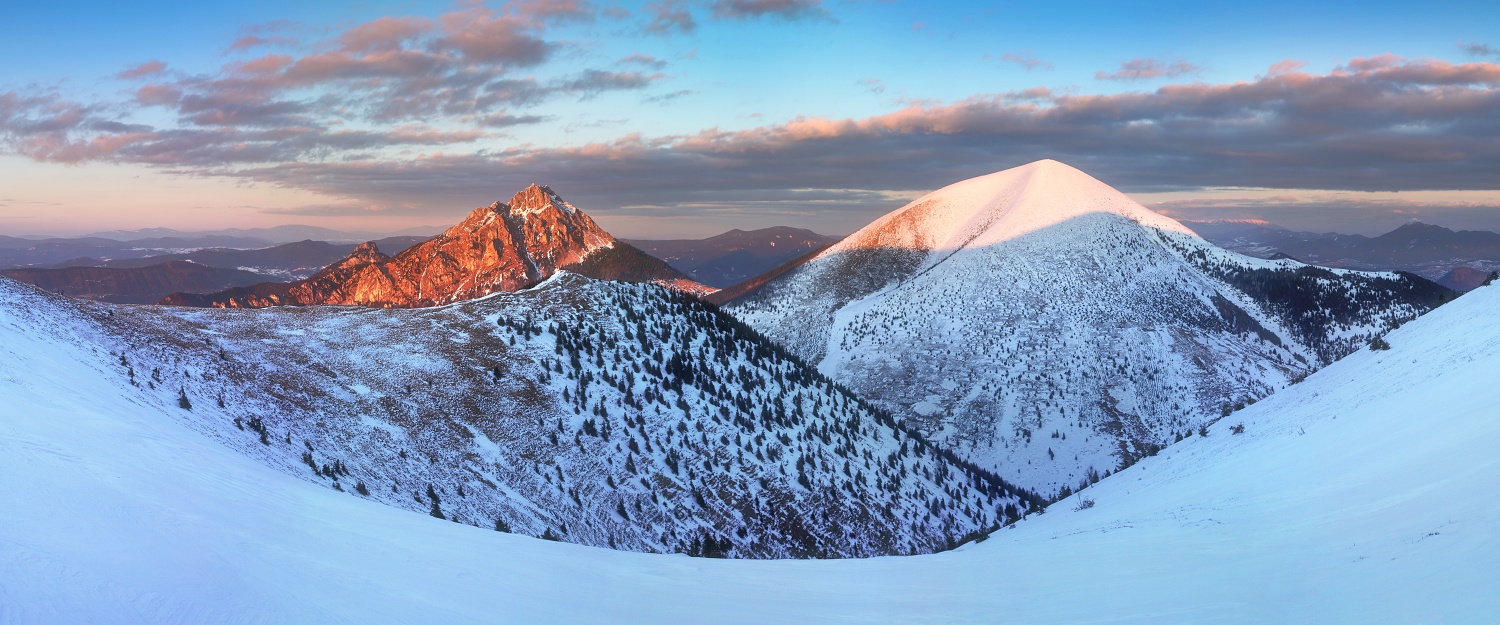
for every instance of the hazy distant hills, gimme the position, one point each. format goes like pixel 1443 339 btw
pixel 1460 260
pixel 728 259
pixel 288 261
pixel 24 252
pixel 134 279
pixel 276 234
pixel 143 285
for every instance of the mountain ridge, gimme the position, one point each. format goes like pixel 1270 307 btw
pixel 1428 250
pixel 729 258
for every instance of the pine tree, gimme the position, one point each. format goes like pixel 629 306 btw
pixel 182 400
pixel 436 511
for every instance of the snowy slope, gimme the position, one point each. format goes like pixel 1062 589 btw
pixel 598 413
pixel 1363 494
pixel 1051 329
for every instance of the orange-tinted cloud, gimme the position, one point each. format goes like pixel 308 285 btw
pixel 149 68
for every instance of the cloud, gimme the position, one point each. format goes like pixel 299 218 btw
pixel 670 16
pixel 668 97
pixel 1025 60
pixel 594 82
pixel 1288 66
pixel 643 59
pixel 149 68
pixel 461 67
pixel 482 35
pixel 873 85
pixel 1374 124
pixel 1479 49
pixel 782 9
pixel 503 120
pixel 249 42
pixel 49 128
pixel 559 10
pixel 326 210
pixel 1147 69
pixel 386 33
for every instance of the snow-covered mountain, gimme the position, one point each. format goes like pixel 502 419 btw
pixel 1361 495
pixel 1051 329
pixel 505 246
pixel 599 413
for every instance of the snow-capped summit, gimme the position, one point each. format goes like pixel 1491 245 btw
pixel 998 207
pixel 1052 329
pixel 505 246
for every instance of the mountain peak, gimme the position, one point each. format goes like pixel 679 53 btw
pixel 500 247
pixel 537 198
pixel 1419 226
pixel 367 252
pixel 989 209
pixel 1032 299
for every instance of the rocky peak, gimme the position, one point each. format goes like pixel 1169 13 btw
pixel 538 198
pixel 500 247
pixel 366 252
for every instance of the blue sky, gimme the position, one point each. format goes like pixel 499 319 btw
pixel 676 131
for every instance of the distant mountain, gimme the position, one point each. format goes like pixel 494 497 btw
pixel 1427 250
pixel 505 246
pixel 732 257
pixel 1050 329
pixel 138 285
pixel 1465 279
pixel 273 235
pixel 289 261
pixel 22 252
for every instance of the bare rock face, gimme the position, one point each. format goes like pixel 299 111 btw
pixel 506 246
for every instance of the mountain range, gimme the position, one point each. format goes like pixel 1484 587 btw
pixel 145 285
pixel 273 235
pixel 1460 260
pixel 1358 495
pixel 1089 409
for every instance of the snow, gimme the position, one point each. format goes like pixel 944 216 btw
pixel 1363 494
pixel 494 404
pixel 1043 325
